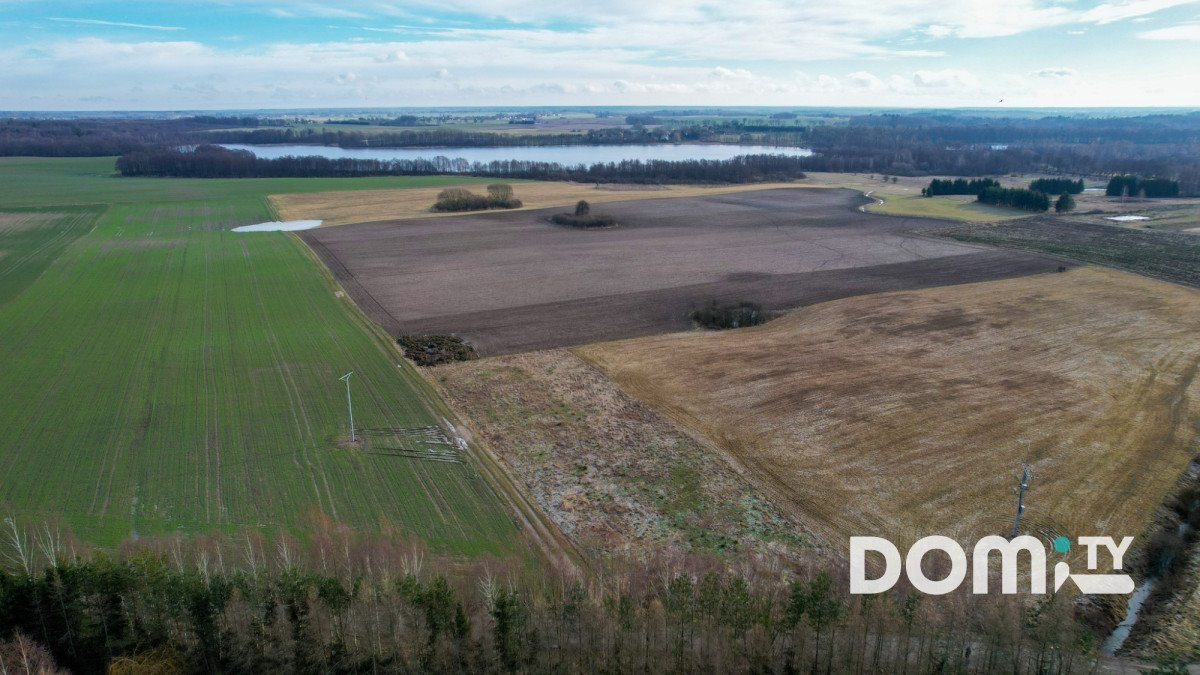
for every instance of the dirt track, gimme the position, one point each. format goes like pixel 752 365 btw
pixel 512 282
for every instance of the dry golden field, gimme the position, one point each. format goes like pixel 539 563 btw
pixel 361 206
pixel 906 414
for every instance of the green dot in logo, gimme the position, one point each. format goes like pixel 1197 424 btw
pixel 1062 544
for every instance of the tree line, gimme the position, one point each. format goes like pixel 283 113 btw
pixel 209 161
pixel 958 186
pixel 1017 198
pixel 432 137
pixel 1132 186
pixel 350 603
pixel 1057 186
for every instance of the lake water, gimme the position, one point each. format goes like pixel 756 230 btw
pixel 567 155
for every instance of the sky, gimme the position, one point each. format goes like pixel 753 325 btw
pixel 255 54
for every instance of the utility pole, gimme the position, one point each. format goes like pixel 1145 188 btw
pixel 1024 485
pixel 349 406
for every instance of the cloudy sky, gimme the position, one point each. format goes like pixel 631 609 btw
pixel 213 54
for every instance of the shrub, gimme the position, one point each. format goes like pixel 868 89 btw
pixel 459 199
pixel 431 350
pixel 583 221
pixel 500 196
pixel 1065 203
pixel 583 208
pixel 737 315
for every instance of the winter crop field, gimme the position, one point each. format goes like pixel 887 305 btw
pixel 162 373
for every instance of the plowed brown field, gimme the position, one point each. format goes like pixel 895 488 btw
pixel 512 282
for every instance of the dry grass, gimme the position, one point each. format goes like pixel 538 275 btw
pixel 614 475
pixel 1176 632
pixel 906 414
pixel 16 222
pixel 360 206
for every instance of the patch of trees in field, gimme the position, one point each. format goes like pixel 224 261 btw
pixel 723 316
pixel 499 196
pixel 1132 186
pixel 345 603
pixel 583 218
pixel 1064 203
pixel 1057 186
pixel 957 186
pixel 1016 198
pixel 211 161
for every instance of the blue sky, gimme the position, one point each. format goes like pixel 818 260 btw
pixel 217 54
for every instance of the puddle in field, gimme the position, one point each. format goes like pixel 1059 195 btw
pixel 1127 219
pixel 279 226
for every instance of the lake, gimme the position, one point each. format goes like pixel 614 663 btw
pixel 567 155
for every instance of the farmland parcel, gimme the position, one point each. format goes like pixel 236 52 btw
pixel 511 282
pixel 162 373
pixel 905 414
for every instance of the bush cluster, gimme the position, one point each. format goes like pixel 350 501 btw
pixel 587 221
pixel 499 196
pixel 431 350
pixel 715 316
pixel 583 218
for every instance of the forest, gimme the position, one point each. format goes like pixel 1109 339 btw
pixel 910 144
pixel 354 603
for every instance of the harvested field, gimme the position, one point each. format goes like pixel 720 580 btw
pixel 907 414
pixel 614 475
pixel 511 282
pixel 361 206
pixel 1174 256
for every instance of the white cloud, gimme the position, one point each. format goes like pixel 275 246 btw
pixel 865 80
pixel 116 24
pixel 1055 73
pixel 1184 31
pixel 618 52
pixel 951 78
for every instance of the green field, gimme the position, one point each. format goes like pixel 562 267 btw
pixel 164 374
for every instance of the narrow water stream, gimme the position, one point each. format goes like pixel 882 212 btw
pixel 1121 633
